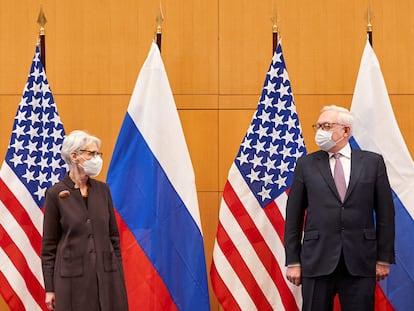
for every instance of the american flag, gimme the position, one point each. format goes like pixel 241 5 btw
pixel 32 164
pixel 248 271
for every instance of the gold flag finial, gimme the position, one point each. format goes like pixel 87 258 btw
pixel 369 19
pixel 159 19
pixel 41 20
pixel 275 29
pixel 274 18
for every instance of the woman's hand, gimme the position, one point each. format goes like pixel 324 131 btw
pixel 50 300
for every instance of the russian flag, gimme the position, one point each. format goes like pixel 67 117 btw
pixel 376 129
pixel 153 187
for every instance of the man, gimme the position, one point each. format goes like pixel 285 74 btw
pixel 341 199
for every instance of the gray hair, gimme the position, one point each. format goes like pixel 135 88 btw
pixel 344 115
pixel 76 141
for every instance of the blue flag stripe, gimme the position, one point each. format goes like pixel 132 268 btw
pixel 157 224
pixel 401 276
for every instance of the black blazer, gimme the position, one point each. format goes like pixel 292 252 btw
pixel 362 227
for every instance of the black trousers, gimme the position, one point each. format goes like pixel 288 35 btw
pixel 355 293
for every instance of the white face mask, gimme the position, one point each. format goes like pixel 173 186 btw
pixel 324 139
pixel 93 166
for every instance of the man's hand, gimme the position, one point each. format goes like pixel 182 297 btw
pixel 294 274
pixel 382 271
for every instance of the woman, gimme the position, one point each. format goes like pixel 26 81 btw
pixel 81 256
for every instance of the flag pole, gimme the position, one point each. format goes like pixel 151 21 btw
pixel 274 27
pixel 41 20
pixel 369 25
pixel 159 19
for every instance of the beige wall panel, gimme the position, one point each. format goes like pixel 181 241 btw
pixel 233 102
pixel 209 206
pixel 194 101
pixel 201 133
pixel 245 45
pixel 190 46
pixel 404 111
pixel 98 47
pixel 322 44
pixel 19 31
pixel 101 116
pixel 308 25
pixel 393 42
pixel 3 305
pixel 232 125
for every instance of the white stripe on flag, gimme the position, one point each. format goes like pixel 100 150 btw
pixel 229 276
pixel 172 149
pixel 22 241
pixel 17 282
pixel 266 229
pixel 371 106
pixel 249 255
pixel 274 136
pixel 256 212
pixel 22 195
pixel 281 201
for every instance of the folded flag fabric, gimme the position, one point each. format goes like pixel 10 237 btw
pixel 376 129
pixel 248 269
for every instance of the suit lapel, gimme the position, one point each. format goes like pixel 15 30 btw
pixel 356 169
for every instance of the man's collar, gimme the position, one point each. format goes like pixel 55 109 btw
pixel 345 151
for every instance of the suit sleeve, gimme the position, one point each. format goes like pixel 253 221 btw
pixel 113 230
pixel 385 216
pixel 50 239
pixel 295 212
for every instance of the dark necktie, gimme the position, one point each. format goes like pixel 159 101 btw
pixel 339 176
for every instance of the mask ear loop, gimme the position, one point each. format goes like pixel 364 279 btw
pixel 344 136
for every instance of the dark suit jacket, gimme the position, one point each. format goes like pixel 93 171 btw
pixel 362 227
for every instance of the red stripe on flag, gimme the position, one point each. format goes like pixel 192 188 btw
pixel 222 292
pixel 16 256
pixel 272 212
pixel 145 288
pixel 21 216
pixel 246 277
pixel 9 295
pixel 381 301
pixel 257 241
pixel 337 305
